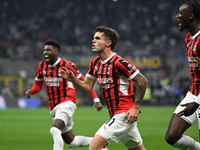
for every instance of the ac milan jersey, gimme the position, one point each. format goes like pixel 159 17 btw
pixel 114 75
pixel 58 89
pixel 193 53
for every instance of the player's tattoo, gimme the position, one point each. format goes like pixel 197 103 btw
pixel 140 88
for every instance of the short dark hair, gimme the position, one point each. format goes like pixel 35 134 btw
pixel 111 34
pixel 194 6
pixel 53 43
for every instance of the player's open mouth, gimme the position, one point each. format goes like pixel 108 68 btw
pixel 46 57
pixel 179 22
pixel 93 46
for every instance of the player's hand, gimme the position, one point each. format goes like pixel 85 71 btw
pixel 189 109
pixel 98 106
pixel 67 74
pixel 28 93
pixel 132 115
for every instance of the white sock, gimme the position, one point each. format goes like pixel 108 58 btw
pixel 80 141
pixel 57 138
pixel 187 143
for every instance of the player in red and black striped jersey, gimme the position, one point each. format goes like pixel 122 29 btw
pixel 115 76
pixel 187 112
pixel 58 89
pixel 193 53
pixel 61 96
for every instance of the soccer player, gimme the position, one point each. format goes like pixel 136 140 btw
pixel 61 96
pixel 115 76
pixel 187 112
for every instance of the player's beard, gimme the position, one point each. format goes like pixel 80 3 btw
pixel 51 60
pixel 97 50
pixel 181 28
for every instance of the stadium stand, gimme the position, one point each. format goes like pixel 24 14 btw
pixel 148 34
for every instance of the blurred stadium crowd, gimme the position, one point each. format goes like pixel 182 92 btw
pixel 147 29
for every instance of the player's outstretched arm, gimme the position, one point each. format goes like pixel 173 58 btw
pixel 85 86
pixel 37 86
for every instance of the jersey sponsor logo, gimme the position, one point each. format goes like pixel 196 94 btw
pixel 104 82
pixel 49 81
pixel 193 61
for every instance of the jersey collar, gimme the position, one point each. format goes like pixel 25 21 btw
pixel 194 36
pixel 57 61
pixel 106 60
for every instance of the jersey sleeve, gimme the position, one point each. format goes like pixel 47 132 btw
pixel 73 68
pixel 90 73
pixel 127 69
pixel 81 77
pixel 39 76
pixel 37 86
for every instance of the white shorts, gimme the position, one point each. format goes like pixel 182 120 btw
pixel 195 116
pixel 65 112
pixel 117 129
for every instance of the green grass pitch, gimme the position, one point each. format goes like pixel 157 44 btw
pixel 28 129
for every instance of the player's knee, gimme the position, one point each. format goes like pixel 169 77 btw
pixel 91 147
pixel 171 138
pixel 94 147
pixel 54 131
pixel 71 143
pixel 58 123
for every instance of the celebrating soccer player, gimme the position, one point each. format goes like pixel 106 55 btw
pixel 61 96
pixel 187 112
pixel 115 76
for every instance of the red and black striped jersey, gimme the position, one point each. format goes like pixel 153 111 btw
pixel 58 89
pixel 193 54
pixel 114 76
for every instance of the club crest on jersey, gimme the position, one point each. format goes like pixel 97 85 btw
pixel 108 70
